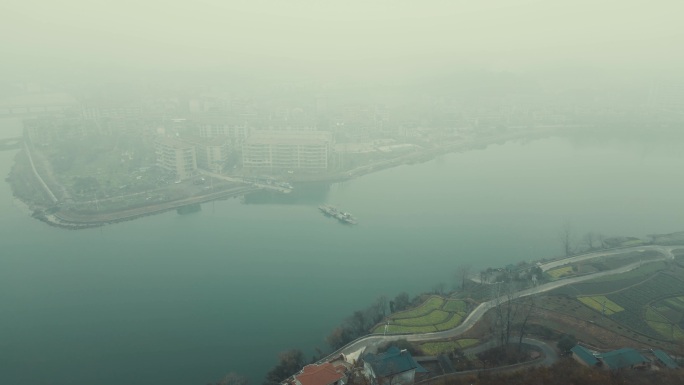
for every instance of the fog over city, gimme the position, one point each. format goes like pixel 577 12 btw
pixel 341 192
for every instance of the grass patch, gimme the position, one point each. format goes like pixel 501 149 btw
pixel 432 318
pixel 600 302
pixel 455 306
pixel 559 272
pixel 433 303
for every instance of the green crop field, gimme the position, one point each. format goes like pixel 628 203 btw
pixel 600 302
pixel 676 303
pixel 432 318
pixel 559 271
pixel 455 306
pixel 432 315
pixel 662 325
pixel 454 321
pixel 433 303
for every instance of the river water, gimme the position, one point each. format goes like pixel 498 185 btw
pixel 184 299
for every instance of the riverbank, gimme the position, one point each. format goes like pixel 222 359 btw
pixel 74 220
pixel 63 217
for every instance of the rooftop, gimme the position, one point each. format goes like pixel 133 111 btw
pixel 622 358
pixel 323 374
pixel 665 359
pixel 173 142
pixel 585 355
pixel 391 362
pixel 289 137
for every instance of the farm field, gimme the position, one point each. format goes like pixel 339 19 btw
pixel 560 272
pixel 601 304
pixel 435 314
pixel 433 303
pixel 636 300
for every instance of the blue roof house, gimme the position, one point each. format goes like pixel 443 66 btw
pixel 584 356
pixel 623 358
pixel 393 367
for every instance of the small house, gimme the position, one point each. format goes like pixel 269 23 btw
pixel 324 374
pixel 393 367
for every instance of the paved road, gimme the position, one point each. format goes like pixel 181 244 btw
pixel 371 342
pixel 666 250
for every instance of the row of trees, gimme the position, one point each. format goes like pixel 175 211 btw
pixel 571 245
pixel 361 321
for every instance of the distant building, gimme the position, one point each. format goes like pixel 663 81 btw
pixel 613 360
pixel 37 104
pixel 324 374
pixel 287 150
pixel 211 127
pixel 212 153
pixel 395 367
pixel 46 130
pixel 176 156
pixel 665 359
pixel 584 356
pixel 623 358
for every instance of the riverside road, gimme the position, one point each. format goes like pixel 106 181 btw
pixel 371 342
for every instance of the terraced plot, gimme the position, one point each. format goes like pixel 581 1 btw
pixel 435 314
pixel 455 306
pixel 560 272
pixel 454 321
pixel 433 303
pixel 662 325
pixel 639 315
pixel 432 318
pixel 601 304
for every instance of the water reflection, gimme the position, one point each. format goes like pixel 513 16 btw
pixel 310 193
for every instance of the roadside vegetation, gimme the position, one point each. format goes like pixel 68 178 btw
pixel 565 372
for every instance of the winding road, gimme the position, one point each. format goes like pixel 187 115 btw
pixel 371 342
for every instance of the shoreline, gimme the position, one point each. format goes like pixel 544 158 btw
pixel 73 220
pixel 76 221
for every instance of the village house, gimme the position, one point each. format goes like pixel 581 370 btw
pixel 323 374
pixel 613 360
pixel 393 367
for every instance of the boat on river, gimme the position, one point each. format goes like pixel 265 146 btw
pixel 342 216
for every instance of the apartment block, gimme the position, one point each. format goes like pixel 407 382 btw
pixel 287 150
pixel 176 156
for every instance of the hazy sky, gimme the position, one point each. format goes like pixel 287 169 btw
pixel 361 39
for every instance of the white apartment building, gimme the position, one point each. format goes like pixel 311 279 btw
pixel 287 150
pixel 176 156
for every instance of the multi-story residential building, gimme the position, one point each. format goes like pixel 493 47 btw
pixel 176 156
pixel 212 153
pixel 212 127
pixel 287 150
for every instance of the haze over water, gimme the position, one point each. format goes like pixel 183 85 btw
pixel 184 299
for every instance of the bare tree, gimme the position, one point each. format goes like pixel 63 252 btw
pixel 527 310
pixel 504 311
pixel 439 288
pixel 589 240
pixel 462 274
pixel 566 238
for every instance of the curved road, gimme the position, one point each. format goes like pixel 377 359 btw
pixel 371 342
